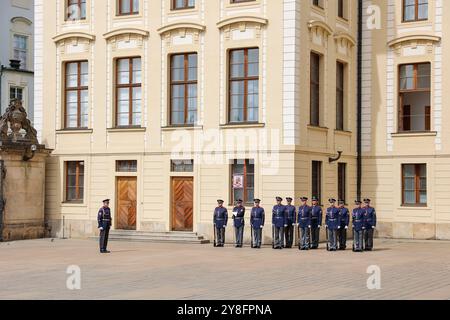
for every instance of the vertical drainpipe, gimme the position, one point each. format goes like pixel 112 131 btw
pixel 359 101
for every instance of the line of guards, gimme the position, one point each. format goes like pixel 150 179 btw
pixel 308 220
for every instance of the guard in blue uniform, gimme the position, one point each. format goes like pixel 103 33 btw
pixel 370 223
pixel 238 219
pixel 316 222
pixel 304 224
pixel 344 216
pixel 220 222
pixel 278 223
pixel 291 214
pixel 104 220
pixel 257 218
pixel 358 227
pixel 333 224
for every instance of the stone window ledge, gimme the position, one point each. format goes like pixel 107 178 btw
pixel 414 134
pixel 242 125
pixel 75 131
pixel 127 129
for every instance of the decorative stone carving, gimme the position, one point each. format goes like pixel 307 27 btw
pixel 14 122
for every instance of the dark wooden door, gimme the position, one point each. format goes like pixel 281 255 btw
pixel 126 203
pixel 182 204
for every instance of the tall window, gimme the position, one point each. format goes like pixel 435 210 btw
pixel 318 3
pixel 183 4
pixel 128 92
pixel 415 10
pixel 316 183
pixel 15 93
pixel 76 10
pixel 243 180
pixel 341 9
pixel 414 177
pixel 244 85
pixel 183 89
pixel 127 7
pixel 20 50
pixel 76 95
pixel 315 90
pixel 74 180
pixel 340 87
pixel 342 181
pixel 415 97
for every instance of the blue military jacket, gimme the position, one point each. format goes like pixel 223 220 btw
pixel 304 216
pixel 332 219
pixel 220 217
pixel 370 217
pixel 358 219
pixel 290 215
pixel 344 217
pixel 238 216
pixel 257 217
pixel 279 216
pixel 104 218
pixel 316 216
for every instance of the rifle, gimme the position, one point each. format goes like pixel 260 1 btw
pixel 326 233
pixel 298 236
pixel 251 235
pixel 273 236
pixel 353 237
pixel 215 243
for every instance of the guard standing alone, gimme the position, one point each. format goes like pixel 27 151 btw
pixel 104 219
pixel 333 224
pixel 278 223
pixel 370 223
pixel 316 222
pixel 304 224
pixel 344 217
pixel 257 218
pixel 291 213
pixel 358 227
pixel 238 218
pixel 220 222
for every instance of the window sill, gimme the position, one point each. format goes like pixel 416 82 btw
pixel 173 11
pixel 343 20
pixel 174 128
pixel 73 204
pixel 126 129
pixel 318 128
pixel 343 132
pixel 243 4
pixel 414 207
pixel 243 125
pixel 414 134
pixel 74 131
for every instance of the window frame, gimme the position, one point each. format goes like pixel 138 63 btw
pixel 24 64
pixel 78 199
pixel 313 84
pixel 132 9
pixel 78 89
pixel 316 166
pixel 416 89
pixel 246 80
pixel 186 82
pixel 245 174
pixel 130 87
pixel 340 95
pixel 417 190
pixel 342 181
pixel 79 2
pixel 173 6
pixel 416 12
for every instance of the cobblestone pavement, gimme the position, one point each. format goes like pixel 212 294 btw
pixel 37 270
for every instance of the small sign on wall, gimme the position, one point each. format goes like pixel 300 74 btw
pixel 238 182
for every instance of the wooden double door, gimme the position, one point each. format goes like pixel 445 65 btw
pixel 182 202
pixel 126 203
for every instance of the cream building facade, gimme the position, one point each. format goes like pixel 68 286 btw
pixel 166 106
pixel 405 86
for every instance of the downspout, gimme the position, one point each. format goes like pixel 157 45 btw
pixel 359 102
